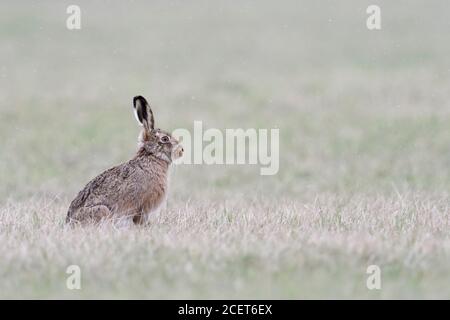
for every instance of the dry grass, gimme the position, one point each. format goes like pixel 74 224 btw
pixel 244 248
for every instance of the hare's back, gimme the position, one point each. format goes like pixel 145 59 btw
pixel 98 190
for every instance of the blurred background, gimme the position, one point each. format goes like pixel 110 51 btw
pixel 361 113
pixel 356 109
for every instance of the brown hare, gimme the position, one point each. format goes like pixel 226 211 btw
pixel 132 191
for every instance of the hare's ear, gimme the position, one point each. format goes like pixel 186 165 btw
pixel 143 113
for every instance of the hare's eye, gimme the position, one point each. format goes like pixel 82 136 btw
pixel 165 139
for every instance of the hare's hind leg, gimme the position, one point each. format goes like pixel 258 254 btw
pixel 91 214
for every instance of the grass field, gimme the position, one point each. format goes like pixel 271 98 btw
pixel 364 147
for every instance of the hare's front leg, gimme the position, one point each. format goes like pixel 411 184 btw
pixel 140 218
pixel 143 218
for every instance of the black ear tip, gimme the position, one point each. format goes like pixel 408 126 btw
pixel 140 98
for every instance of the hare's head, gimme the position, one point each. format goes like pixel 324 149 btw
pixel 154 141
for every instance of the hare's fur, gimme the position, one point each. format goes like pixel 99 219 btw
pixel 133 190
